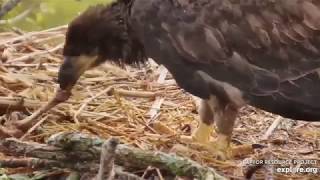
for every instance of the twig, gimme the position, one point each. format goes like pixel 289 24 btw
pixel 273 126
pixel 110 89
pixel 159 100
pixel 16 65
pixel 18 17
pixel 155 108
pixel 32 55
pixel 18 103
pixel 34 127
pixel 8 6
pixel 7 91
pixel 76 114
pixel 3 69
pixel 28 35
pixel 21 103
pixel 140 94
pixel 108 151
pixel 159 174
pixel 162 75
pixel 252 169
pixel 40 40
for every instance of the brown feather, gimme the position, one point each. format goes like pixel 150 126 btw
pixel 268 49
pixel 264 48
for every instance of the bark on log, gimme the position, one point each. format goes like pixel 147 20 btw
pixel 75 148
pixel 36 163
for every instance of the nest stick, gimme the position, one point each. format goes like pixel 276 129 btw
pixel 75 117
pixel 38 53
pixel 273 126
pixel 77 148
pixel 18 103
pixel 140 94
pixel 8 6
pixel 30 34
pixel 159 100
pixel 108 151
pixel 34 127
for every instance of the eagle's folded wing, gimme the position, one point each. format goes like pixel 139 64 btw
pixel 270 50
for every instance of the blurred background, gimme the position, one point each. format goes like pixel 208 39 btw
pixel 34 15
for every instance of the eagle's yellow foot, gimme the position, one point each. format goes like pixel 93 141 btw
pixel 220 147
pixel 202 134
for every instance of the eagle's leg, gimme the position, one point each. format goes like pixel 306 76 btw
pixel 211 111
pixel 224 116
pixel 203 132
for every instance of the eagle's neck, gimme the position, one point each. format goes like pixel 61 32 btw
pixel 125 8
pixel 132 49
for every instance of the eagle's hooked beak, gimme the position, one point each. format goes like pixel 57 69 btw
pixel 68 75
pixel 72 68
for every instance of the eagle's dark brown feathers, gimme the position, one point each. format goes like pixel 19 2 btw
pixel 104 30
pixel 269 50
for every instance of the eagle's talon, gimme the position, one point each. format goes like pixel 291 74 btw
pixel 203 133
pixel 221 150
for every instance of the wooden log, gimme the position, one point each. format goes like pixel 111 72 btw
pixel 78 148
pixel 36 163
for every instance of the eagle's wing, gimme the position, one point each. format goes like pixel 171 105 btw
pixel 282 37
pixel 269 49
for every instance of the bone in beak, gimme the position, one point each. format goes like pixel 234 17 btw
pixel 70 71
pixel 60 96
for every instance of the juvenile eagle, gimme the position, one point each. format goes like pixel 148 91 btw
pixel 228 53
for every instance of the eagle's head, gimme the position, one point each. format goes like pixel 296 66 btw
pixel 99 34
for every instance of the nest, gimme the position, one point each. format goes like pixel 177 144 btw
pixel 141 106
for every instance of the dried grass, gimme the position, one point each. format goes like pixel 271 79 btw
pixel 109 101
